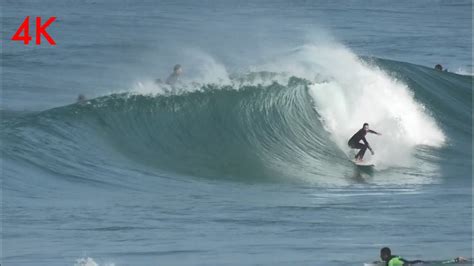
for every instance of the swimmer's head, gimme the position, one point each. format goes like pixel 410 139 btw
pixel 177 69
pixel 385 254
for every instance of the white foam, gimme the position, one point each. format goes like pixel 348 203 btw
pixel 203 68
pixel 87 261
pixel 463 71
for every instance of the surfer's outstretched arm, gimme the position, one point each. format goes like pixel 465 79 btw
pixel 374 132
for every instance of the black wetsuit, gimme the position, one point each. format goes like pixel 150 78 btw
pixel 354 142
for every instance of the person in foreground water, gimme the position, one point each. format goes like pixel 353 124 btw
pixel 393 260
pixel 354 141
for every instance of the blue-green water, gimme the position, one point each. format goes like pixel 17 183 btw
pixel 246 161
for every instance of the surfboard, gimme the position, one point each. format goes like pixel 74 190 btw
pixel 363 163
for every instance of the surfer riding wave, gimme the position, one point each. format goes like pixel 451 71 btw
pixel 354 141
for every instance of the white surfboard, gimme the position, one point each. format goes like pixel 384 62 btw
pixel 362 163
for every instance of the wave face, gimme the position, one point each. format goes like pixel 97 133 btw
pixel 281 127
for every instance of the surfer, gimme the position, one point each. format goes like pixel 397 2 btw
pixel 440 68
pixel 81 99
pixel 392 260
pixel 354 141
pixel 174 77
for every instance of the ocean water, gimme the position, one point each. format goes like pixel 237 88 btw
pixel 245 162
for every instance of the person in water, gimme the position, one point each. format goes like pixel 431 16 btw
pixel 392 260
pixel 174 77
pixel 354 141
pixel 439 67
pixel 81 99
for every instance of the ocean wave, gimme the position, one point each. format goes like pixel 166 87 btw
pixel 258 126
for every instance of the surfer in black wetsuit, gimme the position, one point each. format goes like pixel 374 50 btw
pixel 354 142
